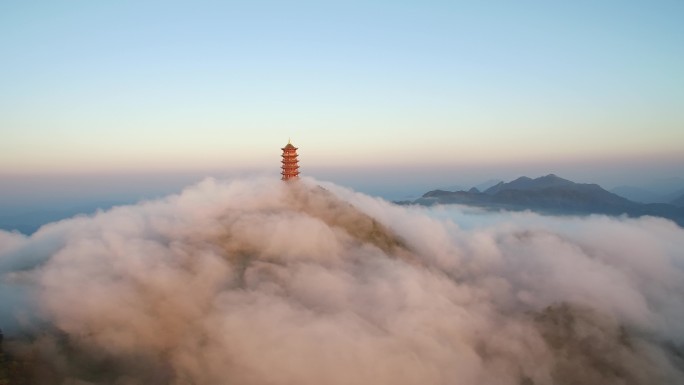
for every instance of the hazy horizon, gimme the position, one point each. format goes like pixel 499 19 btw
pixel 30 201
pixel 388 182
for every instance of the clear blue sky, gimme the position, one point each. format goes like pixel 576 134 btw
pixel 99 87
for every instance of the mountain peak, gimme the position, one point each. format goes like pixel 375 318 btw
pixel 552 177
pixel 527 183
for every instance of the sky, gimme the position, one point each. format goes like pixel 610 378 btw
pixel 381 93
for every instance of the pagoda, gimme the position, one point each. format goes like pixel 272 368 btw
pixel 290 162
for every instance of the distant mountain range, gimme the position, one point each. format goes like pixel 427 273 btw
pixel 664 190
pixel 643 195
pixel 28 220
pixel 678 201
pixel 554 195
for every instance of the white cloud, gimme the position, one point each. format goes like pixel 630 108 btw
pixel 256 281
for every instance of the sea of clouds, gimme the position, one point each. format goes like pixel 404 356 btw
pixel 256 281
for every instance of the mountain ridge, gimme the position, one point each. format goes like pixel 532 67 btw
pixel 678 201
pixel 554 195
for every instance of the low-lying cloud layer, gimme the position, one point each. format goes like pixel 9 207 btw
pixel 262 282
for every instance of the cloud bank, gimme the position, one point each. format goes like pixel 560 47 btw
pixel 255 281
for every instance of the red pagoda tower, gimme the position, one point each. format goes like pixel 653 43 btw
pixel 290 166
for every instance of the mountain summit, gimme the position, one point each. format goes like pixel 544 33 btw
pixel 526 183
